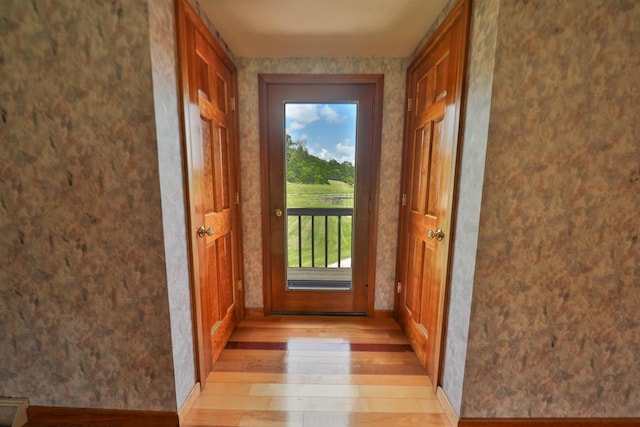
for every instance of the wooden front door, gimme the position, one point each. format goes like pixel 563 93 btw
pixel 434 83
pixel 276 93
pixel 208 78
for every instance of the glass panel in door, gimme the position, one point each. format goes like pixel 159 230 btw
pixel 320 142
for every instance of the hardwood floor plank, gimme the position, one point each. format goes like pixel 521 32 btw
pixel 305 390
pixel 227 389
pixel 324 371
pixel 222 418
pixel 199 417
pixel 319 404
pixel 317 419
pixel 428 406
pixel 310 345
pixel 318 336
pixel 284 367
pixel 380 358
pixel 333 390
pixel 246 355
pixel 272 419
pixel 329 368
pixel 222 377
pixel 210 417
pixel 251 403
pixel 397 391
pixel 361 358
pixel 320 322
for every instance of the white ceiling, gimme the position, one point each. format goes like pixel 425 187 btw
pixel 322 28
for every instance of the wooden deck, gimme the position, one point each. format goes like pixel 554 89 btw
pixel 320 274
pixel 319 278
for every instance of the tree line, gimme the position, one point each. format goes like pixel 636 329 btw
pixel 305 168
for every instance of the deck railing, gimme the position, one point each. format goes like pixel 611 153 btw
pixel 319 216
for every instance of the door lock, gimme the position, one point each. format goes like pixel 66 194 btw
pixel 204 231
pixel 438 234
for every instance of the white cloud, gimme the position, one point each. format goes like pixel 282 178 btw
pixel 345 147
pixel 300 115
pixel 347 151
pixel 331 115
pixel 325 155
pixel 298 125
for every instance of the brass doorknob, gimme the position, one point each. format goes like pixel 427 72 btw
pixel 438 234
pixel 278 212
pixel 204 231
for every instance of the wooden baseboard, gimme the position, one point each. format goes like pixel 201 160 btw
pixel 46 416
pixel 258 313
pixel 447 406
pixel 188 404
pixel 383 314
pixel 253 312
pixel 549 422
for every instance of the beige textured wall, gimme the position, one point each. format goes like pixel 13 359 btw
pixel 394 83
pixel 83 285
pixel 555 318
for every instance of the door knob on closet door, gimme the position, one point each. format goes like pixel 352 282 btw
pixel 438 234
pixel 204 231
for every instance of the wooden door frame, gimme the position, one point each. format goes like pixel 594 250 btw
pixel 377 80
pixel 188 104
pixel 460 12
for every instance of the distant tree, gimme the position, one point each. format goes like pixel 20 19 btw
pixel 306 168
pixel 348 172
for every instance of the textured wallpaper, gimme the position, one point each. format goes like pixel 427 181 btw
pixel 394 91
pixel 484 23
pixel 449 5
pixel 165 88
pixel 83 285
pixel 555 320
pixel 212 29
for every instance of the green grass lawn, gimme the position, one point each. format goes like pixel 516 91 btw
pixel 336 195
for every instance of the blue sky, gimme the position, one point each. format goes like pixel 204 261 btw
pixel 330 129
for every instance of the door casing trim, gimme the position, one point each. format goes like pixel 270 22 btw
pixel 377 80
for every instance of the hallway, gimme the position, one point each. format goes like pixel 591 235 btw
pixel 317 371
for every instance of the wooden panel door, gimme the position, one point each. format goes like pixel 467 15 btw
pixel 434 87
pixel 214 209
pixel 212 172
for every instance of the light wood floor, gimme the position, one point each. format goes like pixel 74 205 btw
pixel 317 371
